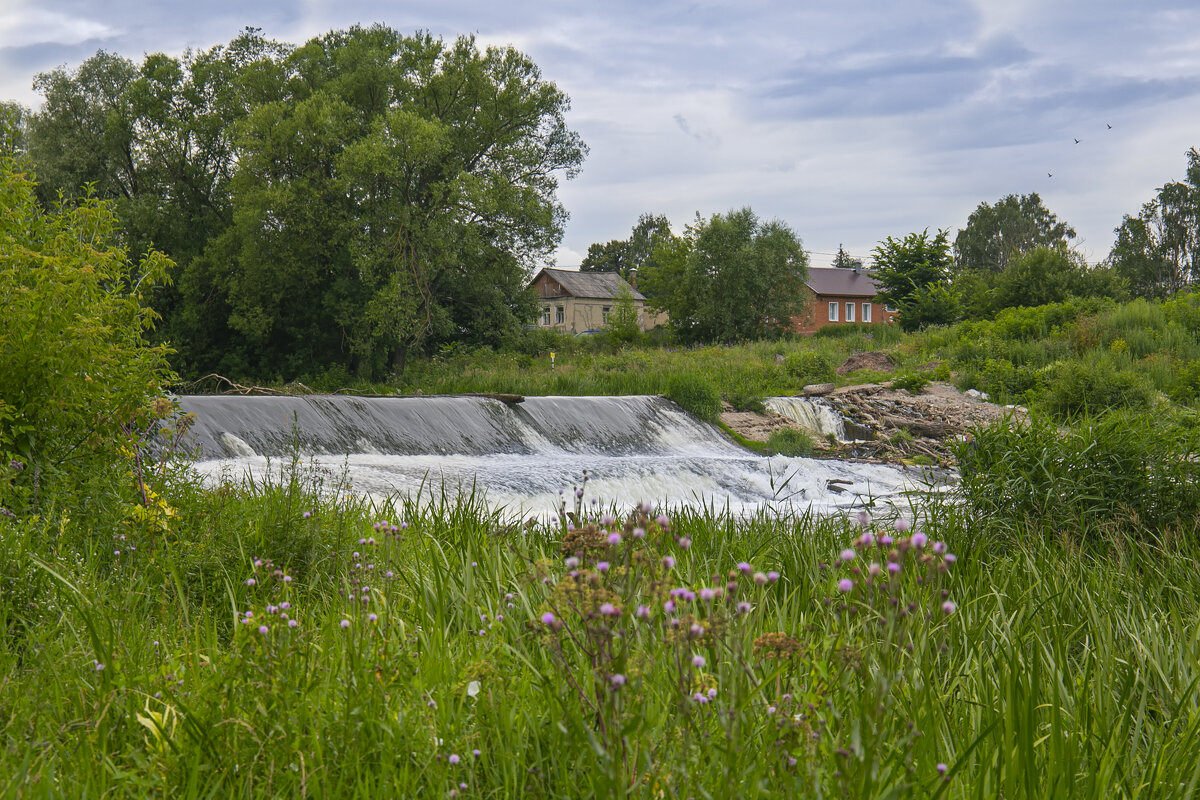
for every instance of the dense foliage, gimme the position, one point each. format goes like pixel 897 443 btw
pixel 347 202
pixel 1015 225
pixel 635 253
pixel 913 275
pixel 76 373
pixel 728 278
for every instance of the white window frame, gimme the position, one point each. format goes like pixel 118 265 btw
pixel 890 309
pixel 833 311
pixel 849 311
pixel 866 315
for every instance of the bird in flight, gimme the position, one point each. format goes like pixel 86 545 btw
pixel 1076 141
pixel 1109 126
pixel 1049 174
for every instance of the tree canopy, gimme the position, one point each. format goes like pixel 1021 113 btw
pixel 913 275
pixel 345 202
pixel 728 278
pixel 1158 251
pixel 1015 225
pixel 634 253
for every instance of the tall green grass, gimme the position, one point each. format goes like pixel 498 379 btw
pixel 1067 666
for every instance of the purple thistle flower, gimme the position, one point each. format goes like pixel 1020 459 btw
pixel 918 539
pixel 700 698
pixel 345 624
pixel 874 570
pixel 845 585
pixel 614 539
pixel 263 629
pixel 668 562
pixel 951 558
pixel 684 543
pixel 941 768
pixel 770 709
pixel 602 566
pixel 607 520
pixel 698 661
pixel 638 533
pixel 453 759
pixel 249 581
pixel 99 666
pixel 669 606
pixel 609 610
pixel 287 578
pixel 551 621
pixel 902 525
pixel 712 694
pixel 476 753
pixel 772 576
pixel 744 568
pixel 866 540
pixel 893 567
pixel 743 607
pixel 292 623
pixel 643 612
pixel 760 579
pixel 663 522
pixel 864 519
pixel 617 680
pixel 848 554
pixel 939 547
pixel 948 607
pixel 306 514
pixel 371 617
pixel 885 540
pixel 707 594
pixel 571 563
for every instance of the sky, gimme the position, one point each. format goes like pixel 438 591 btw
pixel 850 121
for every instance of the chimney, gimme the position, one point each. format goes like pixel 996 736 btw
pixel 633 277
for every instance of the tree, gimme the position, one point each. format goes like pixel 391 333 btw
pixel 634 253
pixel 729 278
pixel 843 260
pixel 1158 251
pixel 346 202
pixel 76 374
pixel 1013 226
pixel 913 275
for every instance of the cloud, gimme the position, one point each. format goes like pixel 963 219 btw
pixel 25 25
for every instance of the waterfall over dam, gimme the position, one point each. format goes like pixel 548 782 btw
pixel 635 449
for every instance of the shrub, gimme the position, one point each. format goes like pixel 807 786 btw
pixel 809 367
pixel 746 401
pixel 1094 384
pixel 911 382
pixel 696 395
pixel 790 442
pixel 1123 465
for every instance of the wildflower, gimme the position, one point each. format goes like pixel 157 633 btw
pixel 249 614
pixel 700 698
pixel 306 514
pixel 663 522
pixel 285 605
pixel 696 631
pixel 698 661
pixel 864 519
pixel 609 610
pixel 918 539
pixel 770 709
pixel 743 607
pixel 607 520
pixel 939 547
pixel 707 594
pixel 941 768
pixel 760 579
pixel 893 567
pixel 476 753
pixel 292 623
pixel 371 617
pixel 866 540
pixel 848 554
pixel 263 629
pixel 571 563
pixel 948 607
pixel 669 606
pixel 602 566
pixel 579 492
pixel 643 612
pixel 453 759
pixel 744 568
pixel 249 581
pixel 432 703
pixel 668 562
pixel 712 694
pixel 638 533
pixel 287 578
pixel 684 543
pixel 845 585
pixel 951 558
pixel 772 576
pixel 614 539
pixel 874 570
pixel 99 666
pixel 472 691
pixel 345 623
pixel 551 621
pixel 902 525
pixel 885 540
pixel 617 680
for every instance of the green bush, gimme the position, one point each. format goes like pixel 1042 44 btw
pixel 1125 466
pixel 746 401
pixel 1094 384
pixel 911 382
pixel 696 395
pixel 790 442
pixel 808 367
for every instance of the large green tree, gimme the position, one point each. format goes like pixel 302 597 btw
pixel 913 274
pixel 1016 224
pixel 634 253
pixel 729 278
pixel 1158 251
pixel 342 203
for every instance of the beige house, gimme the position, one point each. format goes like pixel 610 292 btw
pixel 574 302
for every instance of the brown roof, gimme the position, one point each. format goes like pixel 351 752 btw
pixel 841 282
pixel 596 285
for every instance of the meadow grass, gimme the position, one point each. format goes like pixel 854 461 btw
pixel 442 649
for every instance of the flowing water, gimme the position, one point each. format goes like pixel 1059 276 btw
pixel 520 456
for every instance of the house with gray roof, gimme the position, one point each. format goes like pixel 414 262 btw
pixel 840 296
pixel 574 302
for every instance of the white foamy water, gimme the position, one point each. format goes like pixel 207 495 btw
pixel 519 457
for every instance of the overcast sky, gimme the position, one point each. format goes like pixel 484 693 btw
pixel 851 121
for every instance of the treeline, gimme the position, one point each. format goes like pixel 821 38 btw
pixel 339 205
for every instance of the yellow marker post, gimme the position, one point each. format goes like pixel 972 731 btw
pixel 551 359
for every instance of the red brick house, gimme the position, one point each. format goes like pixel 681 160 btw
pixel 840 296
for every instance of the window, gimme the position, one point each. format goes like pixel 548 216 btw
pixel 849 311
pixel 866 312
pixel 890 309
pixel 833 307
pixel 559 316
pixel 604 311
pixel 545 315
